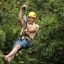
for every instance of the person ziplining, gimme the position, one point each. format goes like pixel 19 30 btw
pixel 28 32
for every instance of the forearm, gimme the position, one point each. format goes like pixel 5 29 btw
pixel 30 30
pixel 20 14
pixel 20 17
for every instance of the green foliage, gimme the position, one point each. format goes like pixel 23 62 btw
pixel 2 38
pixel 48 45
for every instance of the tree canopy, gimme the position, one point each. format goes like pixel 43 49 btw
pixel 48 45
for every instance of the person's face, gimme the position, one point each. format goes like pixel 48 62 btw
pixel 31 20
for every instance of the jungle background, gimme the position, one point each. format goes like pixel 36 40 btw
pixel 48 45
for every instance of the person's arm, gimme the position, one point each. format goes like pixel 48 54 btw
pixel 32 30
pixel 20 17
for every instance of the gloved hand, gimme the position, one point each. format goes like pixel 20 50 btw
pixel 24 7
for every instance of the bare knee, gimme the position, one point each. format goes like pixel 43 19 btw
pixel 17 46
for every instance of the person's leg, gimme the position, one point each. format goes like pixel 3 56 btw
pixel 13 52
pixel 10 58
pixel 18 45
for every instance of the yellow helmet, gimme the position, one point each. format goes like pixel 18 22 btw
pixel 32 14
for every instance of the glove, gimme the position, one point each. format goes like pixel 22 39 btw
pixel 24 7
